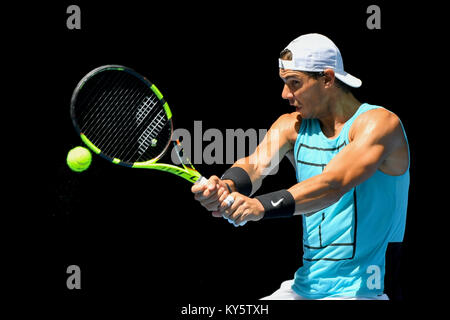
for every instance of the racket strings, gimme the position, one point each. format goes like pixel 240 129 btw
pixel 142 120
pixel 153 130
pixel 119 120
pixel 145 129
pixel 97 111
pixel 135 142
pixel 147 106
pixel 95 94
pixel 104 108
pixel 122 118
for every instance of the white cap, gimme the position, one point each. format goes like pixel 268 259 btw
pixel 314 53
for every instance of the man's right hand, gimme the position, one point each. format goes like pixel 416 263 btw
pixel 211 194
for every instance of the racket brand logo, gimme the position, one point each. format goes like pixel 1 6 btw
pixel 149 135
pixel 151 132
pixel 147 105
pixel 224 147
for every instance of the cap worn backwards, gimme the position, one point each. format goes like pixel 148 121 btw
pixel 314 53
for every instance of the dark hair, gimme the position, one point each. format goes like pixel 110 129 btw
pixel 286 54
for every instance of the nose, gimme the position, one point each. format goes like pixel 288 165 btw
pixel 287 93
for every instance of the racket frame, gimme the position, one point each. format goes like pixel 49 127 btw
pixel 188 171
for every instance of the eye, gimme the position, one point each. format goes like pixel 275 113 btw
pixel 294 83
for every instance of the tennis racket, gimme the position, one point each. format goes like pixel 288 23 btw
pixel 123 117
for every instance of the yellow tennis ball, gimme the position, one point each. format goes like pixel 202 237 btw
pixel 79 159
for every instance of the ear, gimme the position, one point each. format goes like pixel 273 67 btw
pixel 328 78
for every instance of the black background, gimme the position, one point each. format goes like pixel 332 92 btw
pixel 140 234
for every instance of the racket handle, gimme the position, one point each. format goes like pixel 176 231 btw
pixel 228 200
pixel 201 181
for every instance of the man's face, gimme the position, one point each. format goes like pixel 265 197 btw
pixel 303 92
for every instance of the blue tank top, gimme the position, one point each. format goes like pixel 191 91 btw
pixel 344 245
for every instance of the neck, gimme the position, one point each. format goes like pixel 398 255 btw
pixel 338 111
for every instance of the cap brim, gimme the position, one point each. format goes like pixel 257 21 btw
pixel 348 79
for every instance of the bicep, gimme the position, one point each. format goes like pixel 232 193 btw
pixel 356 163
pixel 375 139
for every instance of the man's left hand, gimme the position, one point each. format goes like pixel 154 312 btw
pixel 243 209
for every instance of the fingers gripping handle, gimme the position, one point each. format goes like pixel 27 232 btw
pixel 229 200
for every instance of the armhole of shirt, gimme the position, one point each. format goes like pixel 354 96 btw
pixel 407 144
pixel 301 130
pixel 373 107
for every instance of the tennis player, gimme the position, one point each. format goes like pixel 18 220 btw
pixel 352 167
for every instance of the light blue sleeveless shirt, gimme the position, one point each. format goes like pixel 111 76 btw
pixel 344 245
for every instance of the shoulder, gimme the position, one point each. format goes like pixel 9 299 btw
pixel 376 123
pixel 288 125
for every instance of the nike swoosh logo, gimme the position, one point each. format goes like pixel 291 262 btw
pixel 275 204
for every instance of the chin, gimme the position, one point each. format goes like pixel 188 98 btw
pixel 302 114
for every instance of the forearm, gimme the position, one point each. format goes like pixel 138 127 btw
pixel 253 174
pixel 316 193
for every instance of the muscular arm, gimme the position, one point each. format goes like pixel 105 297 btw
pixel 375 136
pixel 278 141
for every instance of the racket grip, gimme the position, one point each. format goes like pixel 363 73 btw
pixel 201 181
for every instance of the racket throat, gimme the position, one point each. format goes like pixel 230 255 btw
pixel 186 173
